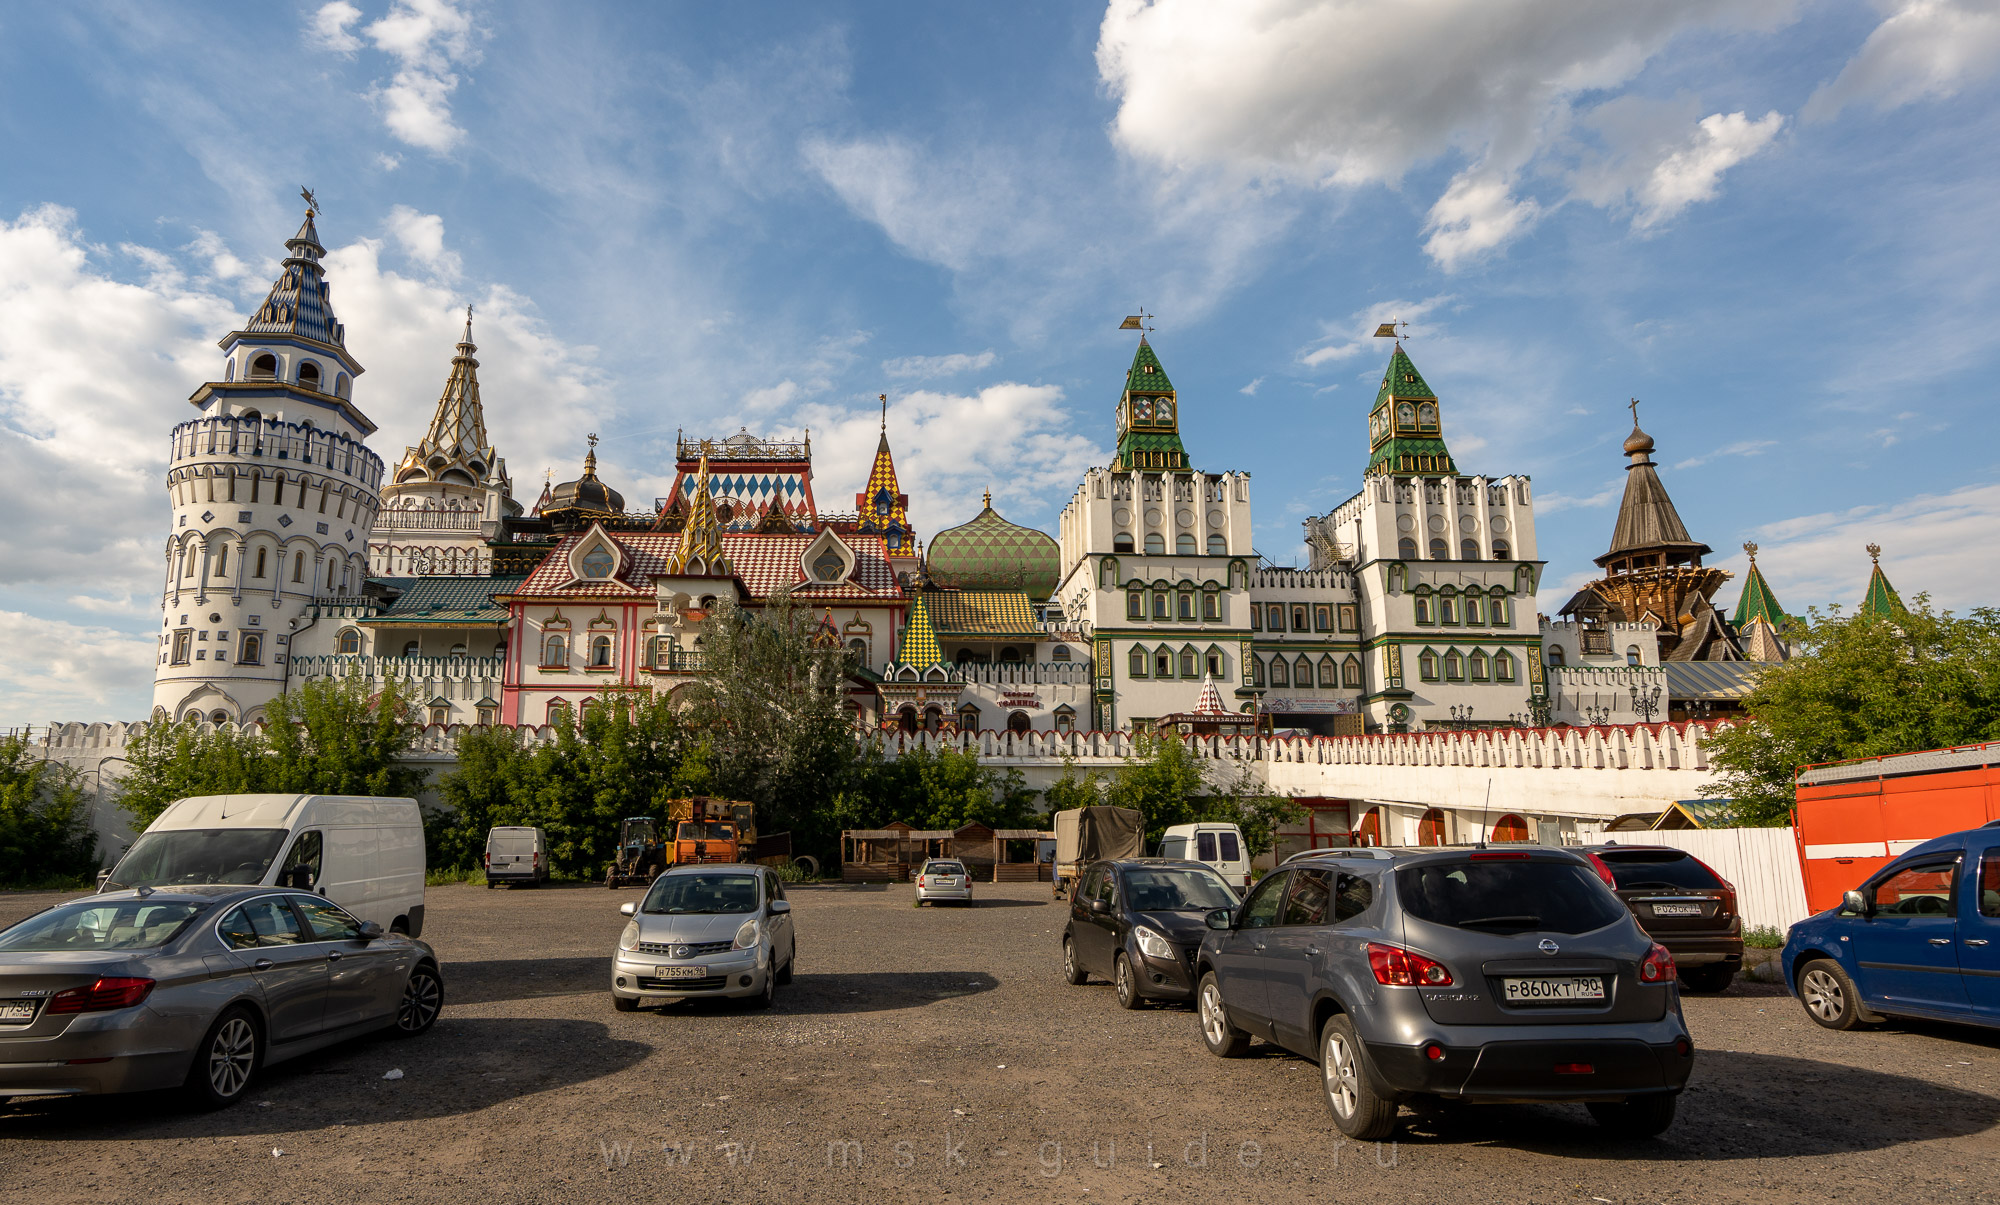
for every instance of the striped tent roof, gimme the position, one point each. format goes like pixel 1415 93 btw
pixel 919 645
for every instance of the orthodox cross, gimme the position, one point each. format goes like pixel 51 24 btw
pixel 1633 406
pixel 312 204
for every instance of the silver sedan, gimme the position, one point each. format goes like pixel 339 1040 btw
pixel 196 987
pixel 705 931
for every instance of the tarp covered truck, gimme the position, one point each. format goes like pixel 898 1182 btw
pixel 1092 834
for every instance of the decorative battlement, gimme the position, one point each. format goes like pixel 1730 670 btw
pixel 1301 579
pixel 1560 627
pixel 237 438
pixel 741 446
pixel 411 519
pixel 1027 673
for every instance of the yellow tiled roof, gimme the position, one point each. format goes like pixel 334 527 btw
pixel 982 613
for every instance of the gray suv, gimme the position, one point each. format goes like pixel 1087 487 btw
pixel 1472 974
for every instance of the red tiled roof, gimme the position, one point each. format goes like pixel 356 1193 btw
pixel 765 562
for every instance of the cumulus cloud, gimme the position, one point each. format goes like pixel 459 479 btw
pixel 1250 390
pixel 329 28
pixel 53 671
pixel 421 237
pixel 1344 340
pixel 1329 93
pixel 429 41
pixel 1923 50
pixel 924 368
pixel 1657 157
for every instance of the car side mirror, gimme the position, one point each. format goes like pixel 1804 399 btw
pixel 1100 907
pixel 1855 902
pixel 628 909
pixel 780 906
pixel 370 930
pixel 102 875
pixel 1222 919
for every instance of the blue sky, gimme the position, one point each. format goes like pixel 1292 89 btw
pixel 1770 220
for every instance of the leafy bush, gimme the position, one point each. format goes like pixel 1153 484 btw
pixel 1764 937
pixel 45 837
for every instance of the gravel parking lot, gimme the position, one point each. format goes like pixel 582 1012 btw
pixel 936 1055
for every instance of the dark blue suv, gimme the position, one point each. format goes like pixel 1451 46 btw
pixel 1919 938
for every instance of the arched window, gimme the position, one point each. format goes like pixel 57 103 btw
pixel 555 651
pixel 1122 542
pixel 1302 673
pixel 1189 669
pixel 600 651
pixel 1406 548
pixel 1478 660
pixel 193 717
pixel 968 718
pixel 1059 653
pixel 264 368
pixel 1555 656
pixel 340 385
pixel 1281 672
pixel 559 713
pixel 298 566
pixel 260 561
pixel 1502 550
pixel 1503 666
pixel 1161 605
pixel 1327 672
pixel 1184 544
pixel 251 651
pixel 1440 551
pixel 1107 574
pixel 1065 719
pixel 1010 653
pixel 598 562
pixel 457 650
pixel 1135 604
pixel 1213 664
pixel 1431 828
pixel 350 642
pixel 222 561
pixel 219 717
pixel 1427 666
pixel 330 566
pixel 1454 667
pixel 1631 654
pixel 1448 609
pixel 1017 721
pixel 1475 610
pixel 1156 544
pixel 1468 549
pixel 1350 673
pixel 410 649
pixel 1163 664
pixel 1509 828
pixel 1211 605
pixel 1185 610
pixel 1217 545
pixel 828 566
pixel 859 648
pixel 309 376
pixel 1256 671
pixel 1497 611
pixel 1138 666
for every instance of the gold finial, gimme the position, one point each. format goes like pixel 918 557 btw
pixel 1875 553
pixel 1752 550
pixel 885 412
pixel 590 457
pixel 312 203
pixel 988 501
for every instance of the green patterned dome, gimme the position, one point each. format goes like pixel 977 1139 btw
pixel 990 553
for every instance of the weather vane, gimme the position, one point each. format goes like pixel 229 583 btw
pixel 312 203
pixel 885 412
pixel 1138 322
pixel 1388 330
pixel 592 437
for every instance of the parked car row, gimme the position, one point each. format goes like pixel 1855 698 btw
pixel 1502 974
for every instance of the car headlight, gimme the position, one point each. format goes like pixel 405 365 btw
pixel 746 937
pixel 630 937
pixel 1151 944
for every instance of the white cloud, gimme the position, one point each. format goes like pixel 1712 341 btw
pixel 1657 157
pixel 1549 504
pixel 328 28
pixel 421 236
pixel 388 162
pixel 1694 172
pixel 1939 544
pixel 1330 93
pixel 52 671
pixel 1344 340
pixel 765 400
pixel 1250 390
pixel 427 39
pixel 1742 447
pixel 925 368
pixel 1923 50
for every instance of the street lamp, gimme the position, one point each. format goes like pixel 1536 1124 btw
pixel 1596 716
pixel 1645 702
pixel 1461 715
pixel 1538 711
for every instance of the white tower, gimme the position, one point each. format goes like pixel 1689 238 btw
pixel 274 494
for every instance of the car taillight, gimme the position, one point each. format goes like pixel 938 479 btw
pixel 1658 967
pixel 102 996
pixel 1603 870
pixel 1397 967
pixel 920 880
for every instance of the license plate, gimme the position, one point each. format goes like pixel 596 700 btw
pixel 1535 991
pixel 1676 909
pixel 680 972
pixel 16 1012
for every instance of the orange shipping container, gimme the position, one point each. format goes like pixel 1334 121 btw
pixel 1850 818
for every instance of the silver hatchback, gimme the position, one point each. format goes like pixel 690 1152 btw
pixel 720 930
pixel 196 986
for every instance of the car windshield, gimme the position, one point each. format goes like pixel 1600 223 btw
pixel 197 855
pixel 102 925
pixel 1151 889
pixel 709 830
pixel 944 868
pixel 1508 896
pixel 678 894
pixel 1655 872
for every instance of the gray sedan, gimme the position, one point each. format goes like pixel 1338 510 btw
pixel 705 931
pixel 196 987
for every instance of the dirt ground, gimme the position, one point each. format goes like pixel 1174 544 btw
pixel 935 1055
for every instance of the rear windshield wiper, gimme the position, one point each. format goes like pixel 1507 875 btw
pixel 1480 922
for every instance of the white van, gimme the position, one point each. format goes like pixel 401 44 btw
pixel 516 853
pixel 365 854
pixel 1219 845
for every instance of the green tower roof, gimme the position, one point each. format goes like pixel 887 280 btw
pixel 1146 373
pixel 1881 598
pixel 1758 601
pixel 1407 443
pixel 1149 424
pixel 991 553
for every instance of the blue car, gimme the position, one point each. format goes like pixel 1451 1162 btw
pixel 1920 938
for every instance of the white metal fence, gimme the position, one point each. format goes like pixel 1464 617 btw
pixel 1762 863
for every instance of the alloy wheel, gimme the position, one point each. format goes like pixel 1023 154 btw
pixel 420 1003
pixel 1823 995
pixel 1214 1026
pixel 1069 960
pixel 1123 973
pixel 1342 1077
pixel 231 1057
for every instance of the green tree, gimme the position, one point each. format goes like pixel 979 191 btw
pixel 940 788
pixel 1860 686
pixel 175 759
pixel 1071 791
pixel 44 834
pixel 1169 785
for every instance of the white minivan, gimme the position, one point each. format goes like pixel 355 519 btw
pixel 365 854
pixel 516 853
pixel 1221 846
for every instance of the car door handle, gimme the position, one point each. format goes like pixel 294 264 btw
pixel 1940 941
pixel 1312 951
pixel 262 964
pixel 333 955
pixel 1975 941
pixel 1257 946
